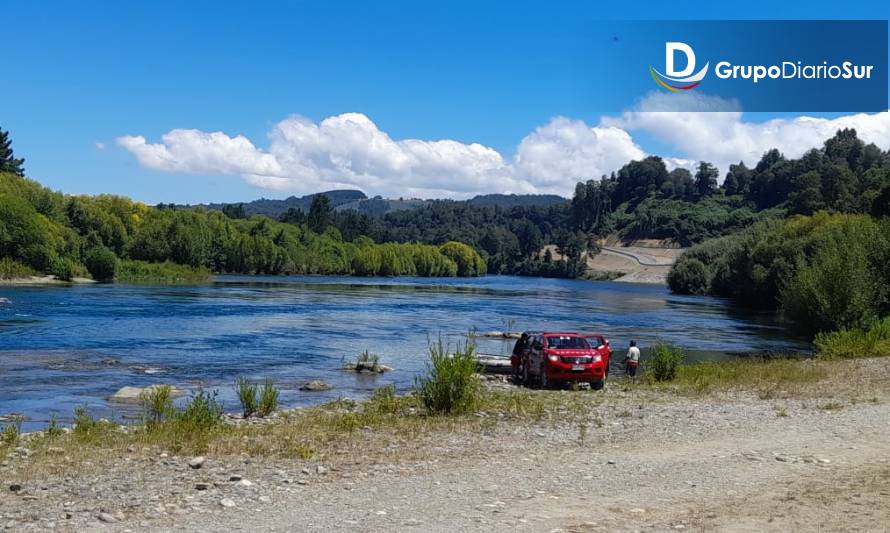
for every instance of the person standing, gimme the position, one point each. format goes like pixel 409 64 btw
pixel 632 360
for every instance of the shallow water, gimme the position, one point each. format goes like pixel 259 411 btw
pixel 66 346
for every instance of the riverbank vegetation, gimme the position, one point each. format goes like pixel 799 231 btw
pixel 113 238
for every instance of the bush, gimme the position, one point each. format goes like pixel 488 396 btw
pixel 131 271
pixel 689 276
pixel 64 268
pixel 157 404
pixel 11 269
pixel 101 263
pixel 247 396
pixel 201 412
pixel 450 385
pixel 853 343
pixel 9 436
pixel 836 290
pixel 665 361
pixel 383 401
pixel 268 399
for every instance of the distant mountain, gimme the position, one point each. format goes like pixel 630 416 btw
pixel 274 208
pixel 513 200
pixel 346 199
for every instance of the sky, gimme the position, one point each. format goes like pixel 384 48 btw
pixel 193 102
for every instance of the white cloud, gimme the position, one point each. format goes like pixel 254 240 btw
pixel 570 149
pixel 100 146
pixel 350 151
pixel 724 137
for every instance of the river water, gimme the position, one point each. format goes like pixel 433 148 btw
pixel 61 347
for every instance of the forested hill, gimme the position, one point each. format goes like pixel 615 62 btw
pixel 354 200
pixel 275 208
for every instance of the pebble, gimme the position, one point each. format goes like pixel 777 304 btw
pixel 235 478
pixel 227 502
pixel 321 470
pixel 197 462
pixel 15 487
pixel 244 483
pixel 107 518
pixel 202 486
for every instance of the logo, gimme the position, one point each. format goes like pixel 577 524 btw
pixel 683 80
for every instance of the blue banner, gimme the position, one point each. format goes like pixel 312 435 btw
pixel 762 65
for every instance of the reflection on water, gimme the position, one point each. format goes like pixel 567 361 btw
pixel 61 347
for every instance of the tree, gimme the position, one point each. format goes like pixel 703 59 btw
pixel 101 263
pixel 234 211
pixel 740 176
pixel 321 214
pixel 8 162
pixel 807 195
pixel 705 179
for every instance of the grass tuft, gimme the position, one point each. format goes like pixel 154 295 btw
pixel 268 399
pixel 247 396
pixel 451 385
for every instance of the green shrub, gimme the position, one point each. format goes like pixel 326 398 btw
pixel 9 436
pixel 268 399
pixel 247 396
pixel 201 412
pixel 689 276
pixel 64 268
pixel 664 362
pixel 383 401
pixel 157 404
pixel 450 385
pixel 131 271
pixel 53 429
pixel 853 343
pixel 101 263
pixel 11 269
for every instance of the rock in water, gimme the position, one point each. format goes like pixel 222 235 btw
pixel 133 394
pixel 315 386
pixel 197 462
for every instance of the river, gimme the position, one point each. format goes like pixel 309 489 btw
pixel 61 347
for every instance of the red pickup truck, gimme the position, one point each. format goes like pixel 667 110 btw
pixel 554 358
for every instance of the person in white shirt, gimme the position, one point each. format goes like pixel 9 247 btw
pixel 632 360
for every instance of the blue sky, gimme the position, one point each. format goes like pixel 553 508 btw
pixel 82 73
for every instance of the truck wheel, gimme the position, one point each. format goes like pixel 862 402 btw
pixel 598 385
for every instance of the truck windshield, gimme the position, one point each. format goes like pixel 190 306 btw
pixel 567 343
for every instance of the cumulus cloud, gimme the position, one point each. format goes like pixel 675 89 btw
pixel 350 151
pixel 724 137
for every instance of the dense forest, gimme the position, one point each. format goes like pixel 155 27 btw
pixel 826 265
pixel 643 200
pixel 110 237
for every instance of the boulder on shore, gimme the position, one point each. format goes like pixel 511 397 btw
pixel 133 394
pixel 316 386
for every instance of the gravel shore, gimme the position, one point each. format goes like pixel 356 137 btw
pixel 636 460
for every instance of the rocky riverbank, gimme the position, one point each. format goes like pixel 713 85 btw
pixel 788 456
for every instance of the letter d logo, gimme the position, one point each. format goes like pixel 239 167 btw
pixel 669 51
pixel 678 80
